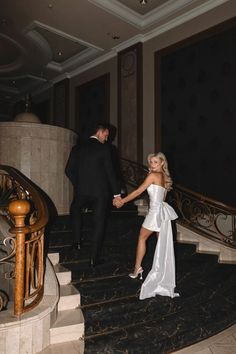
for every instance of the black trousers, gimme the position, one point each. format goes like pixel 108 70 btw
pixel 99 206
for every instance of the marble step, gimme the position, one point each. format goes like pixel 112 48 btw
pixel 72 347
pixel 69 298
pixel 69 326
pixel 63 274
pixel 54 258
pixel 204 245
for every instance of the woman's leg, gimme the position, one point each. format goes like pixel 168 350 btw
pixel 141 246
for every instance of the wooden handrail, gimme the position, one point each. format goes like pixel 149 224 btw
pixel 32 190
pixel 28 203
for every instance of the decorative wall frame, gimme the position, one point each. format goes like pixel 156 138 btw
pixel 130 107
pixel 195 108
pixel 92 104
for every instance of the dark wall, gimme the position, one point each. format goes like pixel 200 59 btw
pixel 198 113
pixel 92 105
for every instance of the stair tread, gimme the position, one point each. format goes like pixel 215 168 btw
pixel 67 290
pixel 69 317
pixel 61 269
pixel 53 254
pixel 54 257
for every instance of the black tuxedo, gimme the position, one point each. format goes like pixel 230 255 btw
pixel 91 172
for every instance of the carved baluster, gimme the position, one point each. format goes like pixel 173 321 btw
pixel 19 209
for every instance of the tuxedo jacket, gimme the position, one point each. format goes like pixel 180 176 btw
pixel 90 169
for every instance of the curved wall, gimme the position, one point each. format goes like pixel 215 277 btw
pixel 40 152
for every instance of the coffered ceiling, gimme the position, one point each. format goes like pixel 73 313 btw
pixel 42 42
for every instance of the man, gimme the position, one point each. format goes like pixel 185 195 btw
pixel 90 170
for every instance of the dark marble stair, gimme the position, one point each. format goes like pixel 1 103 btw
pixel 116 321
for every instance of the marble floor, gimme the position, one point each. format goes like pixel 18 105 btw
pixel 202 320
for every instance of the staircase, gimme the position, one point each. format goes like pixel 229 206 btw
pixel 225 253
pixel 118 322
pixel 204 245
pixel 69 324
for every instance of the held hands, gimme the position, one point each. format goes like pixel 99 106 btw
pixel 117 202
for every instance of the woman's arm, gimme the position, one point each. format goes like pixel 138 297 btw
pixel 148 180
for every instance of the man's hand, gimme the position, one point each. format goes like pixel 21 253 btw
pixel 117 202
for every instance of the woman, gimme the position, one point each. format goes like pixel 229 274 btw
pixel 161 278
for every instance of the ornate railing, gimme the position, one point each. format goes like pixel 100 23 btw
pixel 133 173
pixel 204 215
pixel 207 216
pixel 27 216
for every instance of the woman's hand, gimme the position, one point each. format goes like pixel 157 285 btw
pixel 118 202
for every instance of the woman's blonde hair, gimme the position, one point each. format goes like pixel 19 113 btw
pixel 167 178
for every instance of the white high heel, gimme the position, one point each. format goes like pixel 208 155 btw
pixel 136 273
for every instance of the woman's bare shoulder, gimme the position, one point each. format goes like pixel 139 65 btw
pixel 158 177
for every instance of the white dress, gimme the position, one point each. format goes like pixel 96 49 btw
pixel 161 278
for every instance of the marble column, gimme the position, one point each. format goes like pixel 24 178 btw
pixel 40 152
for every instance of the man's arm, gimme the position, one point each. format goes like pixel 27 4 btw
pixel 71 166
pixel 112 178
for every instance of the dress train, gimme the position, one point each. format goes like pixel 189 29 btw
pixel 161 278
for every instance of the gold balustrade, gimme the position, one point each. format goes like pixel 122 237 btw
pixel 27 215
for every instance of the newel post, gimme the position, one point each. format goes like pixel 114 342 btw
pixel 19 209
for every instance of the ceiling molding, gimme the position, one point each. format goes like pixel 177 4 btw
pixel 38 78
pixel 32 49
pixel 189 15
pixel 76 60
pixel 129 42
pixel 119 10
pixel 151 34
pixel 60 78
pixel 41 43
pixel 86 55
pixel 36 24
pixel 165 10
pixel 173 6
pixel 153 17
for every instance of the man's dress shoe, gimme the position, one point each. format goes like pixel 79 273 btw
pixel 95 262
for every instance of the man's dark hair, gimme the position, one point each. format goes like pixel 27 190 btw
pixel 98 126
